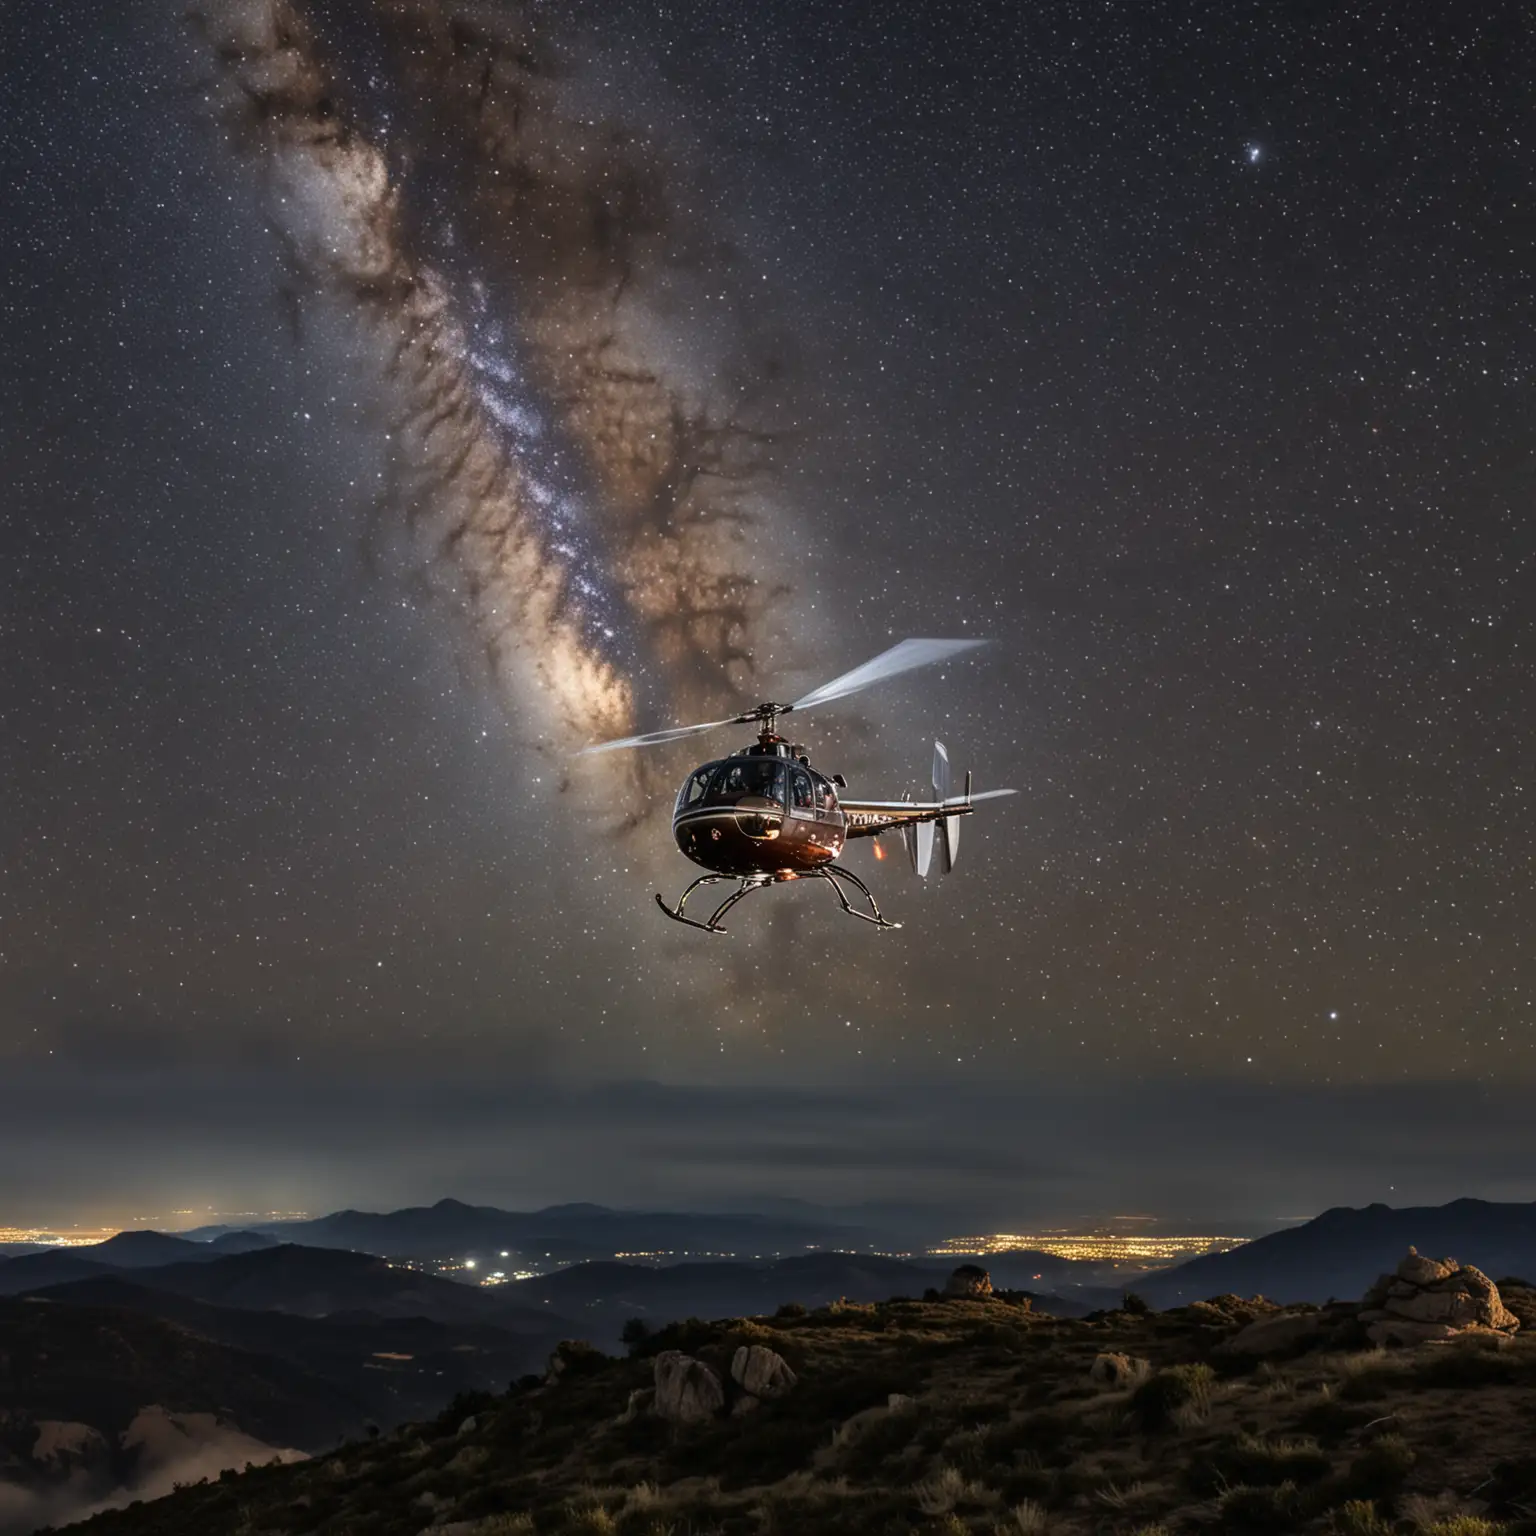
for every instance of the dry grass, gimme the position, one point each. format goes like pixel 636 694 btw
pixel 948 1488
pixel 1026 1518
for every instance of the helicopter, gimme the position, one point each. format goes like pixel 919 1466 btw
pixel 763 815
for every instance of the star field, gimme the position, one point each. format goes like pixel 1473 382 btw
pixel 1183 349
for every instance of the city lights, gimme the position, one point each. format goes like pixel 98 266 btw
pixel 1144 1249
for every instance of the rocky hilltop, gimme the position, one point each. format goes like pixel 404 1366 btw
pixel 967 1412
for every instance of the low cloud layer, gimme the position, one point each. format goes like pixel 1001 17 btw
pixel 1055 1150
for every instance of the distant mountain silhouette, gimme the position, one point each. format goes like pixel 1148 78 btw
pixel 242 1242
pixel 558 1234
pixel 147 1250
pixel 1342 1251
pixel 128 1250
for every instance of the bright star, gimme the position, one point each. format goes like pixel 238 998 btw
pixel 1255 151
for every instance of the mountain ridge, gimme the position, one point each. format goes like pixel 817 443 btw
pixel 1343 1249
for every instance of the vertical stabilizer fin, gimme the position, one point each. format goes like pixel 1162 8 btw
pixel 949 826
pixel 923 834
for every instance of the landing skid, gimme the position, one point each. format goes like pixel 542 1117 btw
pixel 746 884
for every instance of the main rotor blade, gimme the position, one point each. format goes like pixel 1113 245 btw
pixel 900 658
pixel 654 738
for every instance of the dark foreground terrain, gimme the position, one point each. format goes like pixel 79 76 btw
pixel 946 1417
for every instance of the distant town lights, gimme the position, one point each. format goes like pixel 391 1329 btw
pixel 1099 1246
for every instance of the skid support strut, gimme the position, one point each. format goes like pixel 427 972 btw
pixel 831 873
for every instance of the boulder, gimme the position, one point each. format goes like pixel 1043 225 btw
pixel 1278 1335
pixel 1113 1369
pixel 687 1391
pixel 1378 1292
pixel 969 1280
pixel 1399 1330
pixel 1416 1269
pixel 745 1404
pixel 761 1372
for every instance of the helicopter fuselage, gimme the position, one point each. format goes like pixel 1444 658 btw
pixel 763 811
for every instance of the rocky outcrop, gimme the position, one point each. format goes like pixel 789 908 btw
pixel 1224 1310
pixel 970 1280
pixel 761 1372
pixel 1426 1301
pixel 687 1391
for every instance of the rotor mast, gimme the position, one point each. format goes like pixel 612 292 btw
pixel 767 717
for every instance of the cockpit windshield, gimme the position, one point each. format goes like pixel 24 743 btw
pixel 763 776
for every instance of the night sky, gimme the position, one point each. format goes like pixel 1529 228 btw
pixel 396 397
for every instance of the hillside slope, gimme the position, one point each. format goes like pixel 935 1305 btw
pixel 940 1419
pixel 100 1365
pixel 395 1368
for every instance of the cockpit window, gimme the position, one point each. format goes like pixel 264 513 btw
pixel 750 776
pixel 693 790
pixel 826 795
pixel 801 791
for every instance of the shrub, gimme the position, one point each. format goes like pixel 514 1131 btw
pixel 1042 1432
pixel 791 1309
pixel 1259 1463
pixel 465 1405
pixel 690 1335
pixel 861 1453
pixel 1163 1395
pixel 1468 1363
pixel 591 1522
pixel 635 1332
pixel 945 1488
pixel 578 1358
pixel 1262 1510
pixel 1381 1469
pixel 1359 1518
pixel 1136 1305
